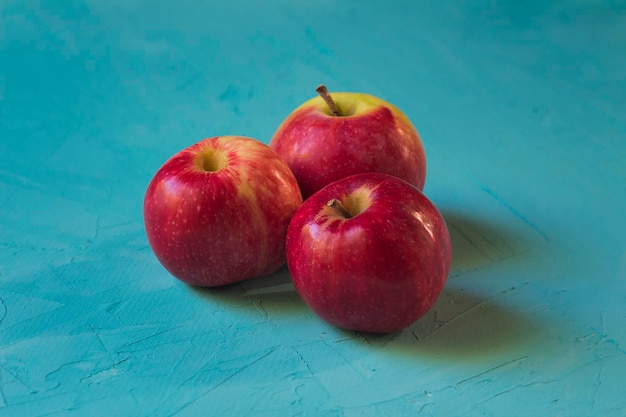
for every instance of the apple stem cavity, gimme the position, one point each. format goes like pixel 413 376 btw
pixel 336 204
pixel 323 92
pixel 210 160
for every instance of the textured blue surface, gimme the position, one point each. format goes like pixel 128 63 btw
pixel 522 109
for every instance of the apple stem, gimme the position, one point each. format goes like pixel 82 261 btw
pixel 323 92
pixel 336 204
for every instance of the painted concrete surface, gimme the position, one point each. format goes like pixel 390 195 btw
pixel 522 109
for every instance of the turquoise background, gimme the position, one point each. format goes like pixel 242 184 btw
pixel 522 109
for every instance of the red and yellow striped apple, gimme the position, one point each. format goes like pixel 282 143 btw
pixel 369 253
pixel 217 212
pixel 331 137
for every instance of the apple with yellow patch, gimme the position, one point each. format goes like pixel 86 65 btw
pixel 217 212
pixel 333 136
pixel 369 252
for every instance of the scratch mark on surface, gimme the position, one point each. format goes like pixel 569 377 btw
pixel 596 386
pixel 180 360
pixel 415 336
pixel 602 332
pixel 3 311
pixel 348 362
pixel 34 317
pixel 474 307
pixel 50 374
pixel 504 244
pixel 502 365
pixel 615 344
pixel 21 180
pixel 262 309
pixel 18 379
pixel 225 380
pixel 467 237
pixel 96 231
pixel 2 399
pixel 134 342
pixel 430 406
pixel 306 364
pixel 109 370
pixel 515 212
pixel 584 337
pixel 507 391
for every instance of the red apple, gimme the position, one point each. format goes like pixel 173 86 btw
pixel 369 252
pixel 331 137
pixel 217 212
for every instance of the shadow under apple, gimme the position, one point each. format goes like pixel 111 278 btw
pixel 478 242
pixel 463 327
pixel 463 324
pixel 468 321
pixel 272 296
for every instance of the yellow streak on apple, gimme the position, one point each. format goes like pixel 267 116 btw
pixel 214 160
pixel 244 192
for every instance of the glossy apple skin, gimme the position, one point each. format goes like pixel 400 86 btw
pixel 376 272
pixel 216 228
pixel 376 137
